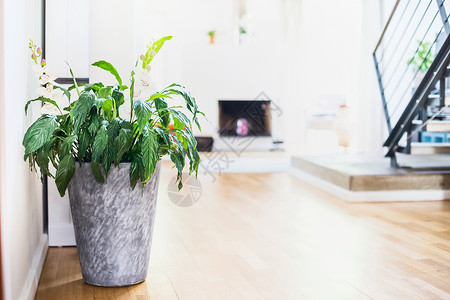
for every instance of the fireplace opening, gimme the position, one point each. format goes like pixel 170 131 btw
pixel 241 118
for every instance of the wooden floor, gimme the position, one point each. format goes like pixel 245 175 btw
pixel 271 236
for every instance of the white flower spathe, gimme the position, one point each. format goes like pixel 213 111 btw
pixel 144 86
pixel 38 70
pixel 50 92
pixel 50 109
pixel 54 94
pixel 47 78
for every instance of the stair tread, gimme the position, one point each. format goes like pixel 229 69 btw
pixel 439 122
pixel 442 145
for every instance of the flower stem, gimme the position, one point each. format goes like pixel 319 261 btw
pixel 74 80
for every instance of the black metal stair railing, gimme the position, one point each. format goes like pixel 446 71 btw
pixel 410 57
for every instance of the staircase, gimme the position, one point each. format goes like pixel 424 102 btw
pixel 411 61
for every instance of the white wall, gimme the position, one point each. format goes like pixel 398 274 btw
pixel 23 241
pixel 300 52
pixel 224 70
pixel 67 39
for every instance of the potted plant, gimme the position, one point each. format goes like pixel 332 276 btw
pixel 242 35
pixel 212 35
pixel 109 161
pixel 421 61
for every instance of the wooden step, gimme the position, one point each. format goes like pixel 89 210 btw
pixel 430 148
pixel 438 126
pixel 373 172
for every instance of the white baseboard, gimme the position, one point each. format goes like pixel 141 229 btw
pixel 370 196
pixel 31 284
pixel 61 235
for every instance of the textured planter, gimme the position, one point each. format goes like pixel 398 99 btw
pixel 113 225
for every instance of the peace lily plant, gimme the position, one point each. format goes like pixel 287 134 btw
pixel 98 129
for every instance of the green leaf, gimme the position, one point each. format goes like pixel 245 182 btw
pixel 93 86
pixel 113 128
pixel 136 166
pixel 161 107
pixel 84 141
pixel 107 107
pixel 97 172
pixel 104 92
pixel 110 68
pixel 64 173
pixel 177 158
pixel 110 152
pixel 39 133
pixel 124 140
pixel 67 145
pixel 156 47
pixel 190 101
pixel 93 124
pixel 73 86
pixel 149 150
pixel 143 112
pixel 158 95
pixel 81 109
pixel 42 159
pixel 100 142
pixel 43 100
pixel 118 97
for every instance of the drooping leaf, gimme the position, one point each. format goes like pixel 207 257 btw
pixel 143 112
pixel 93 124
pixel 97 172
pixel 177 158
pixel 113 128
pixel 110 68
pixel 149 150
pixel 67 145
pixel 42 159
pixel 100 142
pixel 124 140
pixel 110 152
pixel 161 107
pixel 81 109
pixel 84 140
pixel 135 170
pixel 190 101
pixel 43 100
pixel 64 173
pixel 39 133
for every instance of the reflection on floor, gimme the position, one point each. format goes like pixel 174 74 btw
pixel 272 236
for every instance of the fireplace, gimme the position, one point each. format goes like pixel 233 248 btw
pixel 241 118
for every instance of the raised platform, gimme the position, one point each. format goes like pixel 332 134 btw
pixel 362 178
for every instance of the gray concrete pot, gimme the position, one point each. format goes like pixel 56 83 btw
pixel 113 225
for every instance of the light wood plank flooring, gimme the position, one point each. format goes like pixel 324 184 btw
pixel 271 236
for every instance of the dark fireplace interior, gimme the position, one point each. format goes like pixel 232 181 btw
pixel 244 118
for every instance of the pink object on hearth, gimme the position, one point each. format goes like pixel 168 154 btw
pixel 241 127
